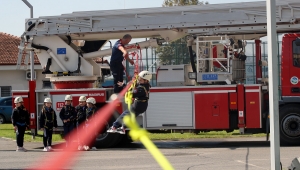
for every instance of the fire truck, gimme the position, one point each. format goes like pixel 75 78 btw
pixel 206 95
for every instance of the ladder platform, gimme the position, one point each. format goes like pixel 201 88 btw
pixel 212 19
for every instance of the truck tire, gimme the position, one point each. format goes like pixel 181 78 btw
pixel 126 139
pixel 289 124
pixel 2 119
pixel 106 140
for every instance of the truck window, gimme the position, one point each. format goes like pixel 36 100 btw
pixel 8 102
pixel 296 55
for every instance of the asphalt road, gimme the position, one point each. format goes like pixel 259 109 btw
pixel 201 154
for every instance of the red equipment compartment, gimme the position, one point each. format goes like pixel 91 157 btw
pixel 253 106
pixel 232 101
pixel 211 110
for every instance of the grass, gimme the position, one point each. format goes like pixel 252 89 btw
pixel 212 134
pixel 6 130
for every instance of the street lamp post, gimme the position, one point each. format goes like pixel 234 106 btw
pixel 32 86
pixel 31 52
pixel 273 85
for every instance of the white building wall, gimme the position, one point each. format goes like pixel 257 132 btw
pixel 17 79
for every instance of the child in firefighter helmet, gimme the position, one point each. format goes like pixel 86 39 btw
pixel 80 119
pixel 20 120
pixel 140 103
pixel 47 123
pixel 90 113
pixel 68 115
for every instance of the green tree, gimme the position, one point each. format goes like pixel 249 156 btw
pixel 168 3
pixel 176 52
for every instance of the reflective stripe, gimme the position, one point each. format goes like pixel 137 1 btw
pixel 21 124
pixel 140 100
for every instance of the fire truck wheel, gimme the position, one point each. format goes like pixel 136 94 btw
pixel 289 119
pixel 126 139
pixel 106 140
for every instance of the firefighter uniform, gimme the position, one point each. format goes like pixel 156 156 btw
pixel 20 118
pixel 139 105
pixel 48 121
pixel 116 66
pixel 90 113
pixel 68 113
pixel 80 118
pixel 81 114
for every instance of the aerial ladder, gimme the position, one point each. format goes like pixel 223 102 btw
pixel 67 43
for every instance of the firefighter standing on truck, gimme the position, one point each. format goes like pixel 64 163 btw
pixel 20 120
pixel 80 119
pixel 47 122
pixel 90 113
pixel 141 96
pixel 118 54
pixel 68 115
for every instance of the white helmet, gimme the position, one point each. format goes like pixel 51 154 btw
pixel 82 98
pixel 91 100
pixel 47 100
pixel 145 75
pixel 18 99
pixel 68 97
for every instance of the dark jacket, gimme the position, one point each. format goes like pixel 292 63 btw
pixel 20 116
pixel 141 97
pixel 68 112
pixel 90 113
pixel 48 118
pixel 81 113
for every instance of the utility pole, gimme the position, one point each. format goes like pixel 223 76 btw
pixel 273 85
pixel 32 85
pixel 31 52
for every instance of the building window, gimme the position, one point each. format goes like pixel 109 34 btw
pixel 296 54
pixel 47 85
pixel 5 91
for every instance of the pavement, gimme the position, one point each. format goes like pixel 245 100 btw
pixel 199 154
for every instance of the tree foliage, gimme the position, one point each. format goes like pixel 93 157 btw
pixel 168 3
pixel 176 52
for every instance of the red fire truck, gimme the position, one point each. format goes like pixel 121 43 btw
pixel 208 94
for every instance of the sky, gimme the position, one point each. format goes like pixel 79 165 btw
pixel 14 12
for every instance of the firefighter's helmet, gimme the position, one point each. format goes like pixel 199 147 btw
pixel 91 100
pixel 47 100
pixel 145 75
pixel 68 97
pixel 82 98
pixel 18 99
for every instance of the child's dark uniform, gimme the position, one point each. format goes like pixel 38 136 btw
pixel 48 121
pixel 68 112
pixel 81 114
pixel 20 118
pixel 140 103
pixel 90 113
